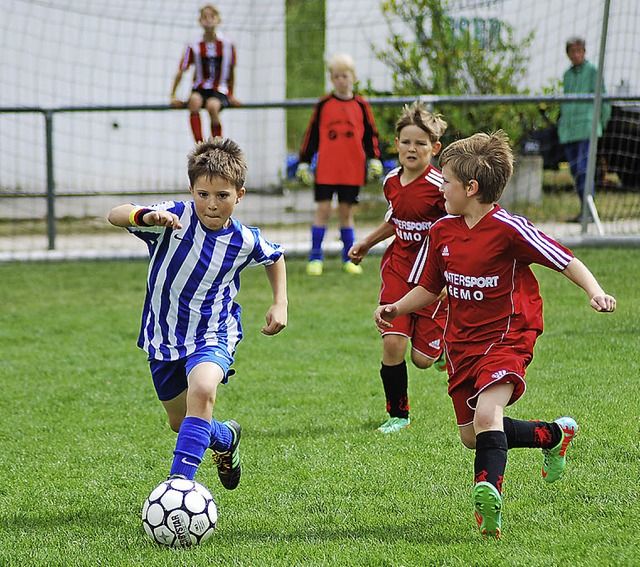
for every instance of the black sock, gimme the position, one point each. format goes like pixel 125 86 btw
pixel 395 382
pixel 491 457
pixel 532 434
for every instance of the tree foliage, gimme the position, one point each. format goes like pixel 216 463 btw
pixel 306 72
pixel 430 52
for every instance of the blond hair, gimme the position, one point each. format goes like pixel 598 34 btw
pixel 217 157
pixel 342 62
pixel 417 114
pixel 487 158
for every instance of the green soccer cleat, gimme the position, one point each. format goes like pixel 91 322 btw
pixel 394 424
pixel 441 363
pixel 554 460
pixel 351 268
pixel 487 503
pixel 228 462
pixel 314 268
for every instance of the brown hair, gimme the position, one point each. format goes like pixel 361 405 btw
pixel 487 158
pixel 217 157
pixel 209 7
pixel 417 114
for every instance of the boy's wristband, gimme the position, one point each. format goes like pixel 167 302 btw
pixel 136 216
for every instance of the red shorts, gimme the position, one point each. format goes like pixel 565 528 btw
pixel 504 362
pixel 424 327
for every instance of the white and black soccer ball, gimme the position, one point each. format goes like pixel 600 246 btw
pixel 179 513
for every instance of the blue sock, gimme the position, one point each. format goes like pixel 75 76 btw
pixel 221 437
pixel 348 237
pixel 193 440
pixel 317 236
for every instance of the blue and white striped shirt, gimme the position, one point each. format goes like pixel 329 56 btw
pixel 193 278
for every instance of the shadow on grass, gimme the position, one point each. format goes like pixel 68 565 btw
pixel 314 431
pixel 387 531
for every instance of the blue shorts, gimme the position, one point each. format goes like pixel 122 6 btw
pixel 170 376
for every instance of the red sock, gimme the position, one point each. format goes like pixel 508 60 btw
pixel 216 130
pixel 196 126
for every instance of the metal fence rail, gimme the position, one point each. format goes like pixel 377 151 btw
pixel 430 100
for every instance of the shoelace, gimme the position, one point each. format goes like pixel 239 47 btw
pixel 219 458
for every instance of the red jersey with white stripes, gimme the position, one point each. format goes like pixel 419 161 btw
pixel 214 63
pixel 493 293
pixel 413 208
pixel 344 134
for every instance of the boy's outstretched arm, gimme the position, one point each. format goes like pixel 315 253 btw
pixel 277 314
pixel 359 250
pixel 416 299
pixel 580 275
pixel 125 215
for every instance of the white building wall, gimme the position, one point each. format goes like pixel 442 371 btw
pixel 78 53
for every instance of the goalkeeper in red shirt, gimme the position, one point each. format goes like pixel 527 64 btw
pixel 343 133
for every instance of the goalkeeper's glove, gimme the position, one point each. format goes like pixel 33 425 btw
pixel 374 170
pixel 303 174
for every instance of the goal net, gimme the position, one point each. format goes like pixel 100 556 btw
pixel 85 123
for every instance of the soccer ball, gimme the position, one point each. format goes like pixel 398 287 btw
pixel 179 513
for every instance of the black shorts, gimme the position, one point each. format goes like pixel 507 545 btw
pixel 206 94
pixel 346 193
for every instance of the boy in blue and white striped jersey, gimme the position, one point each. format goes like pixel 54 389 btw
pixel 190 322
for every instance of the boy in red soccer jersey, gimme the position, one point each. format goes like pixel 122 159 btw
pixel 342 131
pixel 482 255
pixel 214 59
pixel 415 203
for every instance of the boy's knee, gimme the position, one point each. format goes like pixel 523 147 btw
pixel 194 104
pixel 204 391
pixel 468 437
pixel 421 361
pixel 213 107
pixel 394 349
pixel 484 419
pixel 469 441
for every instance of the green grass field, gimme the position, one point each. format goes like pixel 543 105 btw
pixel 84 439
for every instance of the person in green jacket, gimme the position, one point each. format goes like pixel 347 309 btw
pixel 576 118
